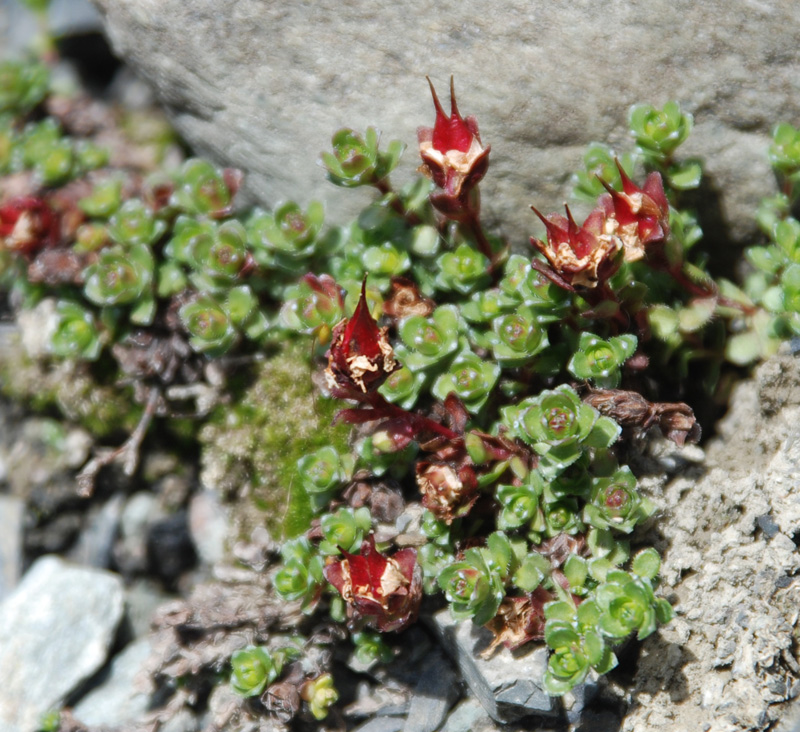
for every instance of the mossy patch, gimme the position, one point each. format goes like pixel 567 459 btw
pixel 69 388
pixel 250 447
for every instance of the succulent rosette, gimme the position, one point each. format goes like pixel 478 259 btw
pixel 104 200
pixel 287 237
pixel 517 337
pixel 321 694
pixel 470 378
pixel 75 334
pixel 558 425
pixel 344 530
pixel 600 360
pixel 123 276
pixel 385 592
pixel 628 605
pixel 202 189
pixel 23 85
pixel 254 668
pixel 218 256
pixel 322 472
pixel 520 503
pixel 616 504
pixel 475 585
pixel 134 223
pixel 428 341
pixel 356 160
pixel 301 574
pixel 403 387
pixel 208 324
pixel 314 305
pixel 487 305
pixel 464 270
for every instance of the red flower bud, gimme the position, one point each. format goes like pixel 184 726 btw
pixel 579 256
pixel 27 224
pixel 641 214
pixel 452 153
pixel 385 591
pixel 360 357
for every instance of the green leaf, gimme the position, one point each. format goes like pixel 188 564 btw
pixel 646 563
pixel 686 176
pixel 576 570
pixel 297 519
pixel 697 314
pixel 604 433
pixel 743 348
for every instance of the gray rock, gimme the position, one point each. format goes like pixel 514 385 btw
pixel 382 724
pixel 436 691
pixel 142 598
pixel 66 17
pixel 208 526
pixel 12 514
pixel 182 721
pixel 263 86
pixel 469 716
pixel 575 702
pixel 94 546
pixel 120 698
pixel 730 653
pixel 140 511
pixel 602 721
pixel 506 684
pixel 55 631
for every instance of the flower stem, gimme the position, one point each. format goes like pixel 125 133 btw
pixel 385 189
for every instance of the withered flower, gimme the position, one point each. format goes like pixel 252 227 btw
pixel 448 493
pixel 627 221
pixel 638 216
pixel 27 224
pixel 406 300
pixel 360 358
pixel 519 620
pixel 452 154
pixel 384 591
pixel 579 256
pixel 631 410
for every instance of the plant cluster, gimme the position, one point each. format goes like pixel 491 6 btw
pixel 493 389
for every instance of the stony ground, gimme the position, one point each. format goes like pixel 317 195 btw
pixel 131 603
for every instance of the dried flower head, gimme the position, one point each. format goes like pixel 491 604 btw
pixel 384 591
pixel 638 216
pixel 579 256
pixel 27 224
pixel 630 409
pixel 452 153
pixel 448 493
pixel 360 357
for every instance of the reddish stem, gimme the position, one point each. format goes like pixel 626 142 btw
pixel 417 421
pixel 384 188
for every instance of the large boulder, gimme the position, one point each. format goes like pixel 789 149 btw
pixel 262 86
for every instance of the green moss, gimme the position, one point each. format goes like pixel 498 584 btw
pixel 69 388
pixel 250 447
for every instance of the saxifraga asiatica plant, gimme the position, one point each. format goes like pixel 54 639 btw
pixel 494 387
